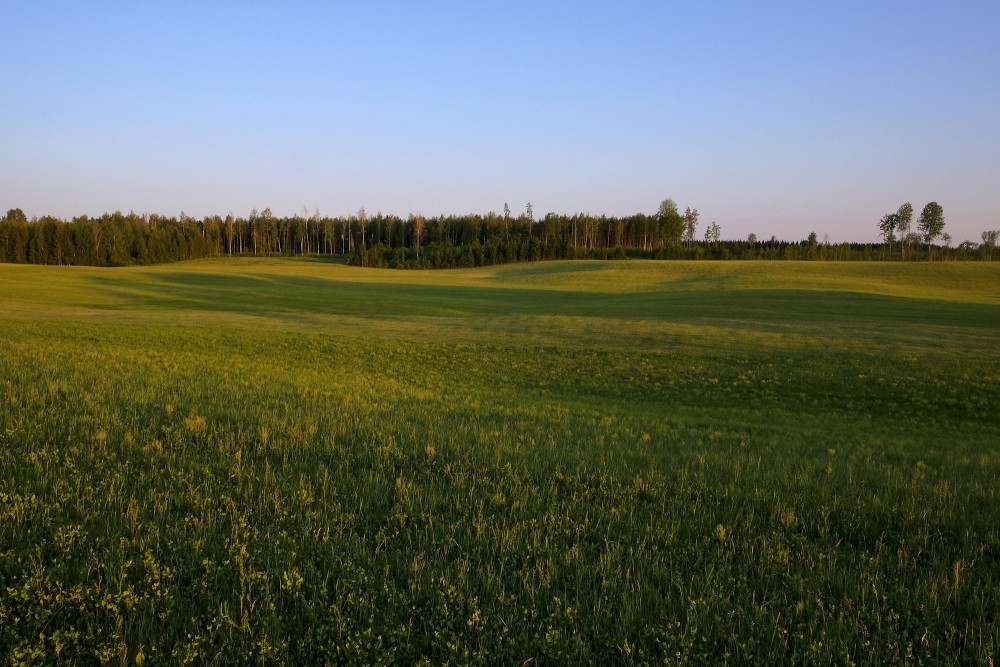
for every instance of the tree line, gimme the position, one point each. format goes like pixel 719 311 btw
pixel 118 239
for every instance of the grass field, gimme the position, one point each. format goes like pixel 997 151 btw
pixel 270 460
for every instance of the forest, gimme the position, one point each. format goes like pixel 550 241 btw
pixel 389 241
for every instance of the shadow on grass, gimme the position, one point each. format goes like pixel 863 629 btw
pixel 277 296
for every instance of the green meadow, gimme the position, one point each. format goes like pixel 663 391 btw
pixel 290 461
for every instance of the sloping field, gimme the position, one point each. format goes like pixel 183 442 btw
pixel 572 462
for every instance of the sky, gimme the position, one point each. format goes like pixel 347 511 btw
pixel 777 118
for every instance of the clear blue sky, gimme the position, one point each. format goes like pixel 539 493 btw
pixel 778 118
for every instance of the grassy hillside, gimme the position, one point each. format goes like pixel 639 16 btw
pixel 582 462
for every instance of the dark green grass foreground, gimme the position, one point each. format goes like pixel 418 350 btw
pixel 571 463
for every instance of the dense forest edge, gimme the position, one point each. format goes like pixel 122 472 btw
pixel 389 241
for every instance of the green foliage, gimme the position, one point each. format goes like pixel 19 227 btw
pixel 712 234
pixel 931 223
pixel 382 241
pixel 671 225
pixel 16 215
pixel 990 238
pixel 887 227
pixel 690 225
pixel 298 462
pixel 904 216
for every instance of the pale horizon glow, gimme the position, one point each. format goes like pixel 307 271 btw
pixel 779 119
